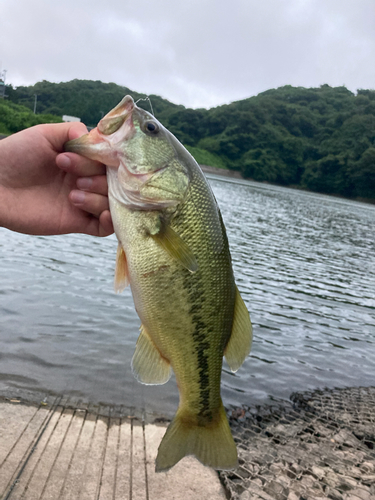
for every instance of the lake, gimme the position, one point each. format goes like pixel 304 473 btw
pixel 304 264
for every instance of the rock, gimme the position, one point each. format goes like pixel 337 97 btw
pixel 354 472
pixel 246 495
pixel 298 489
pixel 284 430
pixel 318 472
pixel 351 458
pixel 276 468
pixel 345 437
pixel 331 479
pixel 321 430
pixel 346 483
pixel 294 470
pixel 359 493
pixel 242 472
pixel 277 490
pixel 314 497
pixel 256 469
pixel 335 494
pixel 367 467
pixel 357 457
pixel 368 479
pixel 284 480
pixel 307 481
pixel 258 493
pixel 293 496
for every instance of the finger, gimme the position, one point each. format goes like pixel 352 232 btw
pixel 89 202
pixel 79 165
pixel 77 129
pixel 106 224
pixel 99 227
pixel 59 133
pixel 97 184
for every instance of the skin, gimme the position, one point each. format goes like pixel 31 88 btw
pixel 46 191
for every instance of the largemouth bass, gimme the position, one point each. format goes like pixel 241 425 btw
pixel 174 252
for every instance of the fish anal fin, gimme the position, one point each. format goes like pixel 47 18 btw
pixel 239 343
pixel 121 271
pixel 175 246
pixel 148 365
pixel 211 444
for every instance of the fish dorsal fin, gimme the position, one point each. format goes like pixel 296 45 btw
pixel 239 344
pixel 148 365
pixel 121 271
pixel 175 246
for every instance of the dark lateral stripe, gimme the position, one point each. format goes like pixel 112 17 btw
pixel 202 345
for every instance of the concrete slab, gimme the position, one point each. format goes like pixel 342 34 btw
pixel 188 480
pixel 62 452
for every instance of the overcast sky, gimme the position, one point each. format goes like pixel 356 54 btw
pixel 200 53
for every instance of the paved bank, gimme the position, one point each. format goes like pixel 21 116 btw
pixel 58 452
pixel 221 171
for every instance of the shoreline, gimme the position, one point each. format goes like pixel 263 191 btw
pixel 221 171
pixel 59 451
pixel 234 174
pixel 319 444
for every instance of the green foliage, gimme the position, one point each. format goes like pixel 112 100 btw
pixel 86 99
pixel 362 175
pixel 322 139
pixel 14 117
pixel 204 157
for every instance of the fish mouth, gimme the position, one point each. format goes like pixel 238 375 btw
pixel 97 144
pixel 113 120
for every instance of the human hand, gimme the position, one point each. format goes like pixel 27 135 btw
pixel 46 191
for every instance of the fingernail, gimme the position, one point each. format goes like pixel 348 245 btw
pixel 64 162
pixel 77 197
pixel 84 183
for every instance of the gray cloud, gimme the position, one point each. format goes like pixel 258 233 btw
pixel 200 53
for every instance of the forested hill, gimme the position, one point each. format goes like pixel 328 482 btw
pixel 322 139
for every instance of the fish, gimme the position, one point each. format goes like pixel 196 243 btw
pixel 173 251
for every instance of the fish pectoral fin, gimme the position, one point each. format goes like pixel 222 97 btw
pixel 239 343
pixel 121 271
pixel 175 246
pixel 148 365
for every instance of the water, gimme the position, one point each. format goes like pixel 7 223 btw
pixel 304 264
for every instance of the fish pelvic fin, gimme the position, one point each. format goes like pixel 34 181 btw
pixel 211 444
pixel 121 271
pixel 239 344
pixel 148 365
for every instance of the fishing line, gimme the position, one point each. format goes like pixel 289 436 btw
pixel 147 98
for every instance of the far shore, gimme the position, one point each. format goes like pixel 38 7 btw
pixel 235 174
pixel 221 171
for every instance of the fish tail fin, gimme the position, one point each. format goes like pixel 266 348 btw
pixel 211 443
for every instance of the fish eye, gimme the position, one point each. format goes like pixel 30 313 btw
pixel 151 127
